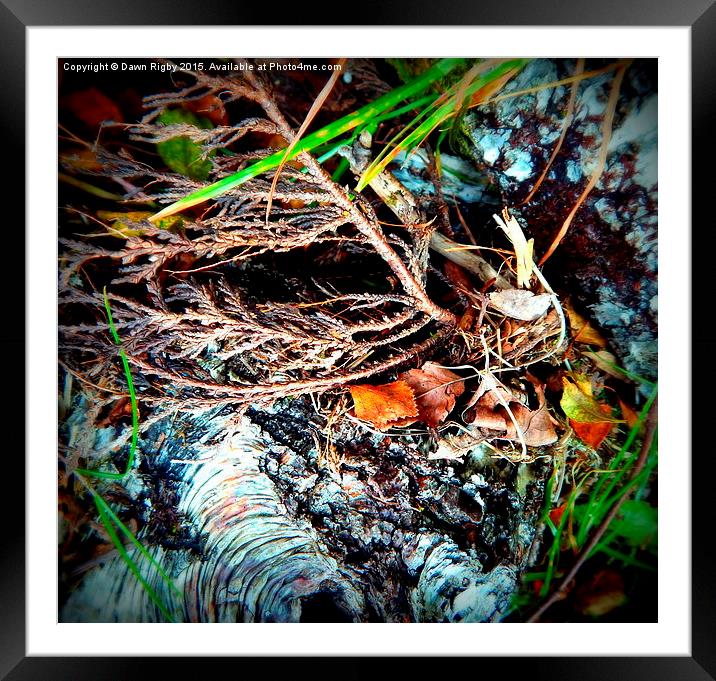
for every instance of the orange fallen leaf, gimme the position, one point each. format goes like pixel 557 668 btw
pixel 121 408
pixel 600 594
pixel 595 432
pixel 468 319
pixel 435 391
pixel 630 415
pixel 390 404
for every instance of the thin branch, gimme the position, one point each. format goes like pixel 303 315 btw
pixel 601 160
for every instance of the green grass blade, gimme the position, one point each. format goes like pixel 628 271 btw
pixel 449 108
pixel 331 150
pixel 134 568
pixel 340 170
pixel 595 504
pixel 622 557
pixel 137 544
pixel 556 548
pixel 107 475
pixel 340 127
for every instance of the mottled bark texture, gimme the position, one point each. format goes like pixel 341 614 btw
pixel 608 258
pixel 272 529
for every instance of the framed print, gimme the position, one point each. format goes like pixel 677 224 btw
pixel 358 325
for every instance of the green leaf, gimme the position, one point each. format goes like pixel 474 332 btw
pixel 637 522
pixel 181 154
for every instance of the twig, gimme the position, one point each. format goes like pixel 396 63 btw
pixel 561 591
pixel 578 71
pixel 404 206
pixel 239 393
pixel 601 160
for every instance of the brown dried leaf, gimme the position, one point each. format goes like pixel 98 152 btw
pixel 489 412
pixel 211 107
pixel 390 404
pixel 458 276
pixel 630 415
pixel 520 304
pixel 608 363
pixel 435 391
pixel 456 447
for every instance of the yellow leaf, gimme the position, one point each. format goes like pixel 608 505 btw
pixel 582 330
pixel 579 404
pixel 125 222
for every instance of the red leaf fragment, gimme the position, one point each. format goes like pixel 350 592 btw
pixel 593 434
pixel 92 107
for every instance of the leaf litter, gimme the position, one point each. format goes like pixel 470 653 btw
pixel 319 343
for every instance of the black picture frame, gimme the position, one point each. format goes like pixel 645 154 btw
pixel 700 15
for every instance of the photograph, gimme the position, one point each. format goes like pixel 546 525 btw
pixel 357 339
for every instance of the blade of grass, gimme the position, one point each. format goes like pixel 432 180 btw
pixel 594 506
pixel 89 188
pixel 450 105
pixel 556 548
pixel 602 528
pixel 133 399
pixel 332 150
pixel 624 558
pixel 340 127
pixel 343 165
pixel 137 544
pixel 106 514
pixel 134 568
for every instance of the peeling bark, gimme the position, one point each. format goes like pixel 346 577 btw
pixel 279 535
